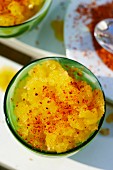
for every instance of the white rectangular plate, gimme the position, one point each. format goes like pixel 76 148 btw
pixel 97 155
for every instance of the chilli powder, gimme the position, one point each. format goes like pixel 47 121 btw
pixel 97 13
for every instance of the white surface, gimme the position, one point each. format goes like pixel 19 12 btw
pixel 97 155
pixel 79 45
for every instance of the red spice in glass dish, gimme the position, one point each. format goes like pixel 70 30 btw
pixel 96 14
pixel 54 111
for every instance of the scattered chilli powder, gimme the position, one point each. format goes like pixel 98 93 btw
pixel 97 13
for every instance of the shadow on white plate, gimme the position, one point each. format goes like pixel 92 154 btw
pixel 99 152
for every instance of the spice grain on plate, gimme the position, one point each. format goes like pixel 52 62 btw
pixel 109 118
pixel 104 131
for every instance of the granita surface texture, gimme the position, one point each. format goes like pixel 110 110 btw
pixel 56 112
pixel 14 12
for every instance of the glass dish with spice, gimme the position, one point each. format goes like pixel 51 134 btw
pixel 54 106
pixel 16 17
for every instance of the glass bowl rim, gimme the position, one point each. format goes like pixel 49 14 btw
pixel 44 7
pixel 38 151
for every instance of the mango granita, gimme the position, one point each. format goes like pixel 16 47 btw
pixel 54 111
pixel 13 12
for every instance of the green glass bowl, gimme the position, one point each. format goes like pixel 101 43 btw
pixel 13 31
pixel 66 63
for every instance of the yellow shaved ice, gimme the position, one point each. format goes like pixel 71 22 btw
pixel 54 111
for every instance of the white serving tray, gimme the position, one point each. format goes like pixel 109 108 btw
pixel 97 155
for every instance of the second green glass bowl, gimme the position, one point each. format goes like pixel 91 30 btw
pixel 13 31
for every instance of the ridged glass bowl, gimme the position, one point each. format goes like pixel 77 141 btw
pixel 13 31
pixel 87 76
